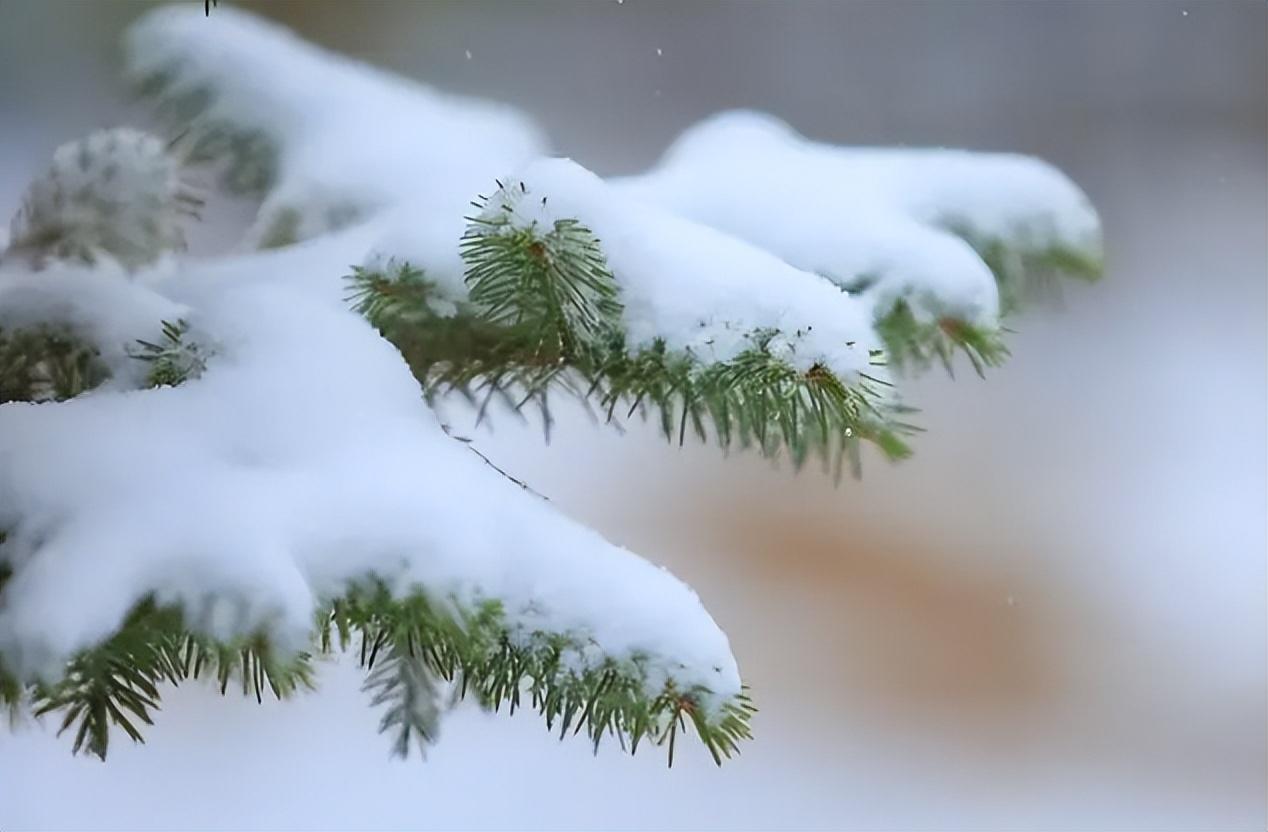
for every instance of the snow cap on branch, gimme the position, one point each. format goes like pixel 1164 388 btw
pixel 890 223
pixel 327 139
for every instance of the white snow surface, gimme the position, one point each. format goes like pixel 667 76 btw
pixel 101 304
pixel 302 459
pixel 686 283
pixel 351 138
pixel 351 135
pixel 868 215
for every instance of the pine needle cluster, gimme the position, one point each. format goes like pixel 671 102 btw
pixel 414 649
pixel 543 312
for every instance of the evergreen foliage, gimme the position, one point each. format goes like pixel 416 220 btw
pixel 413 648
pixel 913 344
pixel 117 682
pixel 1025 270
pixel 47 363
pixel 541 312
pixel 173 360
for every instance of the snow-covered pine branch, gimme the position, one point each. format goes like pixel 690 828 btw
pixel 226 467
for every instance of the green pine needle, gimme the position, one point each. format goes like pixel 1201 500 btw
pixel 914 344
pixel 410 647
pixel 116 683
pixel 249 157
pixel 543 311
pixel 1027 270
pixel 555 280
pixel 480 655
pixel 407 688
pixel 173 361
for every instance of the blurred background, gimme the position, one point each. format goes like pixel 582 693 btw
pixel 1052 617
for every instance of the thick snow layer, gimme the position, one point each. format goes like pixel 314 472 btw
pixel 869 216
pixel 100 304
pixel 686 283
pixel 303 457
pixel 424 157
pixel 697 288
pixel 349 138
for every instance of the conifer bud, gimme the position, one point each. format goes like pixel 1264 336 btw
pixel 115 194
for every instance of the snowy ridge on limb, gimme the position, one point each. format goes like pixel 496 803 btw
pixel 220 67
pixel 326 139
pixel 677 281
pixel 940 235
pixel 94 315
pixel 693 287
pixel 562 282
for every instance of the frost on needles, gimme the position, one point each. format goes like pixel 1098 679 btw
pixel 227 468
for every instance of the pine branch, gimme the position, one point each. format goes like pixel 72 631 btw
pixel 249 156
pixel 555 280
pixel 113 684
pixel 116 683
pixel 476 651
pixel 173 361
pixel 408 646
pixel 10 692
pixel 115 194
pixel 404 683
pixel 543 311
pixel 1026 270
pixel 47 362
pixel 10 688
pixel 914 344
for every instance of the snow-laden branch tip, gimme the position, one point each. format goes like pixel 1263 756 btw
pixel 887 223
